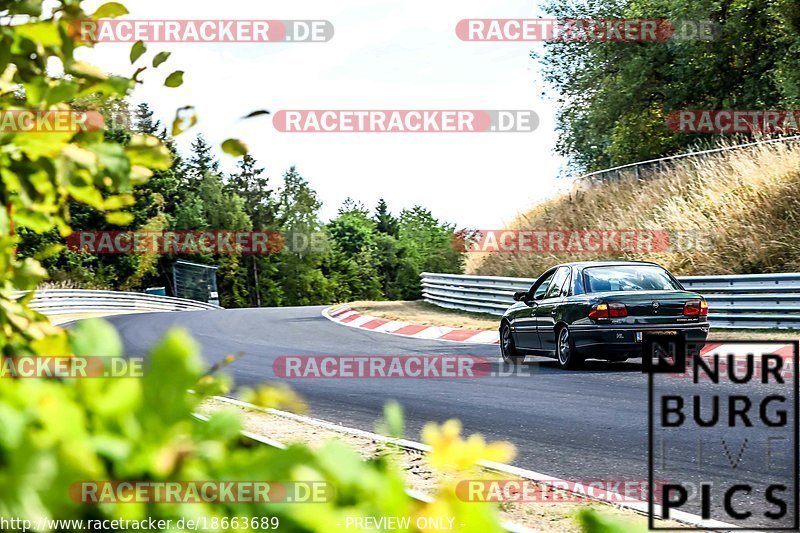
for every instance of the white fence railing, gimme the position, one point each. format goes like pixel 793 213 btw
pixel 754 301
pixel 69 301
pixel 644 169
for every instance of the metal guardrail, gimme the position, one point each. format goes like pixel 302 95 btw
pixel 644 169
pixel 754 301
pixel 68 301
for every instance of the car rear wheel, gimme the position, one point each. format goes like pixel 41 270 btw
pixel 568 357
pixel 508 351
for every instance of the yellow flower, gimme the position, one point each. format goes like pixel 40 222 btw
pixel 452 453
pixel 276 397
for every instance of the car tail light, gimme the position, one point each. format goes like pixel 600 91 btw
pixel 609 310
pixel 617 310
pixel 598 311
pixel 695 308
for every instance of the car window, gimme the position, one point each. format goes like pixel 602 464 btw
pixel 628 278
pixel 559 278
pixel 565 287
pixel 541 289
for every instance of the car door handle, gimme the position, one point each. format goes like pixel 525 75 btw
pixel 553 312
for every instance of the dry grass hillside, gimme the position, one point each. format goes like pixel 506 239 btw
pixel 741 210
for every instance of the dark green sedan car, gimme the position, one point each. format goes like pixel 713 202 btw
pixel 599 310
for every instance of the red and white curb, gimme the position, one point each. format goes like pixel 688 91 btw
pixel 348 317
pixel 345 315
pixel 740 350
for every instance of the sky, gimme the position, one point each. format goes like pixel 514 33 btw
pixel 385 54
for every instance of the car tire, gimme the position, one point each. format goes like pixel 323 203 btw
pixel 508 351
pixel 568 357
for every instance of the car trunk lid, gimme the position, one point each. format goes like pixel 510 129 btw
pixel 653 306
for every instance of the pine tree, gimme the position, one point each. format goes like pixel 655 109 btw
pixel 143 120
pixel 201 162
pixel 249 183
pixel 385 221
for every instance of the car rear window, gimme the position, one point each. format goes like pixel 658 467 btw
pixel 628 278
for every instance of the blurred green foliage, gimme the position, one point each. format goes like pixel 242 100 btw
pixel 54 433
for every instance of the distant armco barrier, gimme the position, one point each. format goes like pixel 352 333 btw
pixel 755 301
pixel 55 302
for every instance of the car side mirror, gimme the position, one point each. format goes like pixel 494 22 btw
pixel 520 296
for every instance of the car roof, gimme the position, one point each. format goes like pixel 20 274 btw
pixel 586 264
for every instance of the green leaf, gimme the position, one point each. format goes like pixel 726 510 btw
pixel 224 425
pixel 175 79
pixel 160 58
pixel 95 337
pixel 35 91
pixel 26 7
pixel 113 86
pixel 140 174
pixel 112 159
pixel 63 91
pixel 393 421
pixel 49 251
pixel 234 147
pixel 43 33
pixel 175 366
pixel 85 70
pixel 87 195
pixel 119 218
pixel 148 151
pixel 32 220
pixel 110 10
pixel 137 50
pixel 593 521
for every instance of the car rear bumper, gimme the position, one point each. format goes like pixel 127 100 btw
pixel 601 340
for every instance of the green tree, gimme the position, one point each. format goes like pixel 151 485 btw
pixel 353 235
pixel 144 121
pixel 202 161
pixel 614 97
pixel 385 222
pixel 249 183
pixel 429 245
pixel 298 265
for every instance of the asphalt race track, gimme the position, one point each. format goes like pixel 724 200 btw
pixel 576 425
